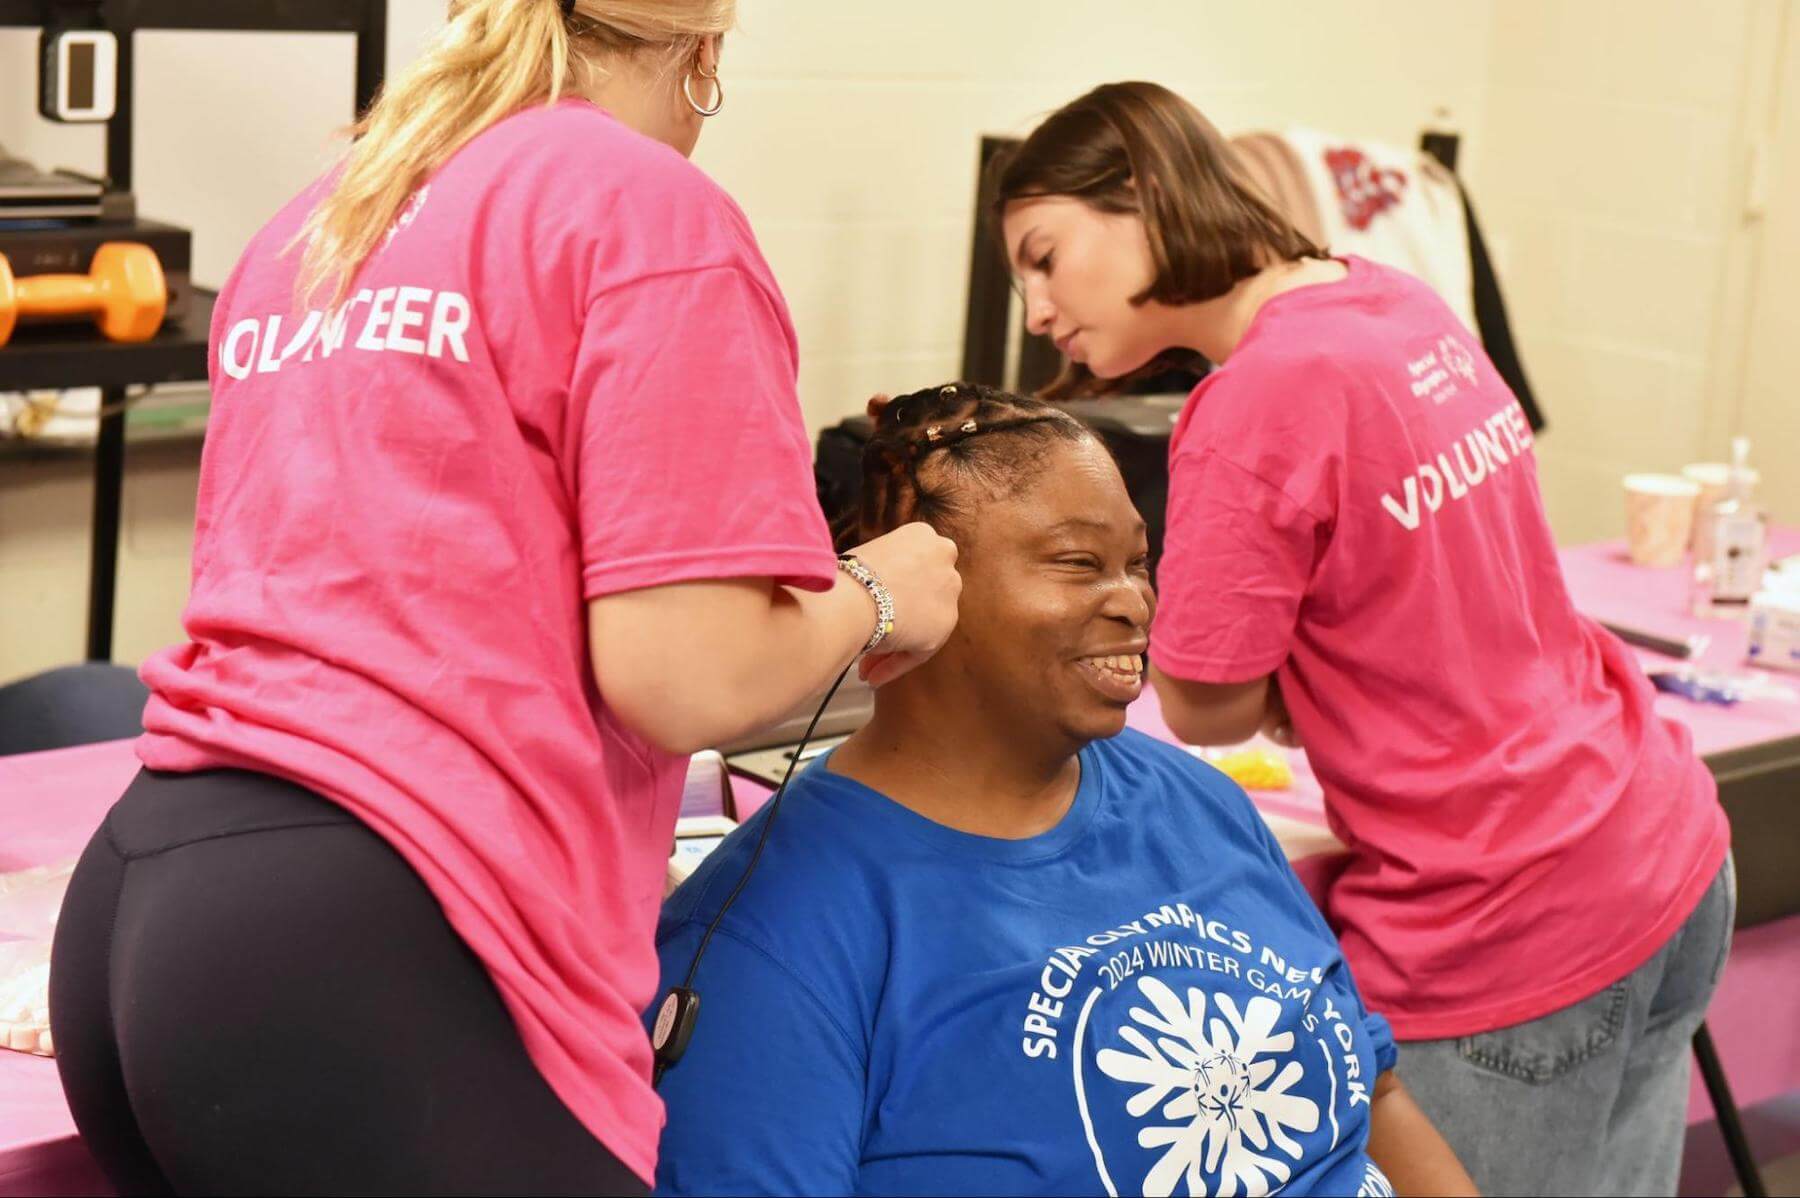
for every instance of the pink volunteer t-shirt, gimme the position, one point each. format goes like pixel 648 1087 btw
pixel 1354 507
pixel 567 373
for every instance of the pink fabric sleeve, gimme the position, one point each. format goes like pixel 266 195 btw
pixel 691 458
pixel 1237 557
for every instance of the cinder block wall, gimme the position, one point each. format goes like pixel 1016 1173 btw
pixel 1602 143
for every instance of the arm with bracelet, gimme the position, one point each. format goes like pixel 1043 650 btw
pixel 852 565
pixel 699 663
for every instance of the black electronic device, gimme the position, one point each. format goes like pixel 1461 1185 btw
pixel 27 193
pixel 68 247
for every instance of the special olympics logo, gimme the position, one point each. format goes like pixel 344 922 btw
pixel 1218 1097
pixel 1456 358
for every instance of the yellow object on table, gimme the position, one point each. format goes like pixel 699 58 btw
pixel 1255 768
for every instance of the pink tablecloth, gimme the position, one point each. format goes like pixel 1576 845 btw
pixel 1609 588
pixel 51 802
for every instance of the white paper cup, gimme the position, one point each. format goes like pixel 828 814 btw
pixel 1659 517
pixel 1714 479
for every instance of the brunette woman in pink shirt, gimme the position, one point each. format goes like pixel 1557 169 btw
pixel 506 508
pixel 1539 895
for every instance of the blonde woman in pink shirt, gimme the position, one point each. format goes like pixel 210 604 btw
pixel 1539 896
pixel 506 508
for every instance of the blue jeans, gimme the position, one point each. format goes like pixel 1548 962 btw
pixel 1591 1099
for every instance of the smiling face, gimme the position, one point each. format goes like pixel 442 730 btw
pixel 1079 268
pixel 1056 601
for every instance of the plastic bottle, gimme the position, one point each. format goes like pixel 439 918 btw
pixel 1737 534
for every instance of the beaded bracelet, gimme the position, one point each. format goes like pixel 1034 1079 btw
pixel 850 564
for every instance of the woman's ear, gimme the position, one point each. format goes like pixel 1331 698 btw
pixel 877 404
pixel 707 58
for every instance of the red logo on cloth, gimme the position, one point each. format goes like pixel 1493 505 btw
pixel 1364 189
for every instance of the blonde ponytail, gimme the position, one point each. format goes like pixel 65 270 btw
pixel 492 59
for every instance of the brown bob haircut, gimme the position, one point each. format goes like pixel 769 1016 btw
pixel 1139 148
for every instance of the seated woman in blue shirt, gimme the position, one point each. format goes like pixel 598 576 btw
pixel 999 944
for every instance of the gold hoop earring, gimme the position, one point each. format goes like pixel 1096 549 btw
pixel 687 90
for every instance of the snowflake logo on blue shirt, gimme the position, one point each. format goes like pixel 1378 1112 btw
pixel 1221 1089
pixel 1220 1083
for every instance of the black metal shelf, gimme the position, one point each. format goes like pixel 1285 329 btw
pixel 365 19
pixel 62 356
pixel 39 449
pixel 66 356
pixel 53 359
pixel 256 16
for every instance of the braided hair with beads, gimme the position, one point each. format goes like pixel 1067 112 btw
pixel 931 448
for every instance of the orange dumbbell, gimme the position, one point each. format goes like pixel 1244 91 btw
pixel 124 291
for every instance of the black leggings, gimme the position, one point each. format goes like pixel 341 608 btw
pixel 252 993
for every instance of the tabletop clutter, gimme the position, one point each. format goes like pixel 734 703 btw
pixel 29 900
pixel 1707 519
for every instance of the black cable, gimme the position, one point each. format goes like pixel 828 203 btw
pixel 687 984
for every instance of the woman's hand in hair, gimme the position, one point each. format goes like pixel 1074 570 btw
pixel 918 567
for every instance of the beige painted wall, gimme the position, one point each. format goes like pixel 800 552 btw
pixel 1767 343
pixel 1602 144
pixel 852 129
pixel 1610 171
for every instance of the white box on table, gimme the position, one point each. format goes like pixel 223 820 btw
pixel 1775 631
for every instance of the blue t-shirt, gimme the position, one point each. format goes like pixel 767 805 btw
pixel 1141 1000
